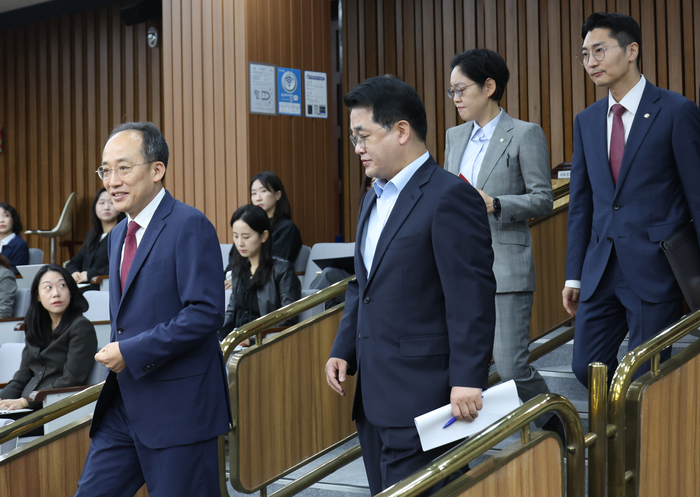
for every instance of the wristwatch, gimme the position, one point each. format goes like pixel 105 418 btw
pixel 496 206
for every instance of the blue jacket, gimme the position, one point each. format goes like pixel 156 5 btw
pixel 17 251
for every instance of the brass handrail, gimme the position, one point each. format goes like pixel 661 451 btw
pixel 39 418
pixel 257 327
pixel 476 445
pixel 633 360
pixel 560 192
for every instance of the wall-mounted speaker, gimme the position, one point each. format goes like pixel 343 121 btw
pixel 140 11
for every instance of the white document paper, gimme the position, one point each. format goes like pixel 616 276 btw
pixel 498 401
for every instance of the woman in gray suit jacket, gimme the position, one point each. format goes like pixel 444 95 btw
pixel 507 161
pixel 60 342
pixel 261 283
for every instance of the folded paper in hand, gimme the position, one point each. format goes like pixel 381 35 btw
pixel 497 401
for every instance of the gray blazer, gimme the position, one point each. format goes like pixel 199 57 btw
pixel 516 170
pixel 66 362
pixel 8 289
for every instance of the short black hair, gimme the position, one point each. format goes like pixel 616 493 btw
pixel 154 148
pixel 480 64
pixel 391 101
pixel 16 221
pixel 622 27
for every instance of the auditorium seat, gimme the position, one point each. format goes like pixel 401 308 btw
pixel 36 256
pixel 225 251
pixel 10 360
pixel 21 303
pixel 99 305
pixel 324 251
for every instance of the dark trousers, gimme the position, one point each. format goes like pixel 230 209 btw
pixel 118 464
pixel 603 321
pixel 392 454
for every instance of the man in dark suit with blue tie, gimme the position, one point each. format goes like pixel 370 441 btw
pixel 635 180
pixel 419 320
pixel 165 400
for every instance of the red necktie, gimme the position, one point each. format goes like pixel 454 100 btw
pixel 617 141
pixel 129 251
pixel 465 179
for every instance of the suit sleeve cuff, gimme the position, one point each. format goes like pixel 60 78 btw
pixel 573 284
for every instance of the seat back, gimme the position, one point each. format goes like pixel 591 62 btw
pixel 65 222
pixel 36 256
pixel 98 374
pixel 21 303
pixel 99 305
pixel 302 259
pixel 10 444
pixel 10 359
pixel 324 251
pixel 225 250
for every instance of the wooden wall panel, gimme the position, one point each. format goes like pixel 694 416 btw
pixel 537 38
pixel 217 145
pixel 66 81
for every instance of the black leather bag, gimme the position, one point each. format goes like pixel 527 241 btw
pixel 683 254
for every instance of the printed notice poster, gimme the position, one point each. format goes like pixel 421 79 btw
pixel 316 94
pixel 262 89
pixel 289 91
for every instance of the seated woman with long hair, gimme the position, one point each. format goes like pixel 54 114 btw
pixel 92 259
pixel 12 245
pixel 267 192
pixel 8 288
pixel 60 344
pixel 261 283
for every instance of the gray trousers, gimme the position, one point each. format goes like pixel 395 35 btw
pixel 510 347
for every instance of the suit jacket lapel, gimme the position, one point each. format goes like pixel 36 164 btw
pixel 149 238
pixel 643 120
pixel 595 143
pixel 459 146
pixel 404 205
pixel 368 201
pixel 502 136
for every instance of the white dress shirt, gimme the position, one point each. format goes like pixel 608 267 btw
pixel 476 148
pixel 7 240
pixel 387 194
pixel 143 218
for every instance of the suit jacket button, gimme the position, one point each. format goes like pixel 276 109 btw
pixel 513 218
pixel 120 331
pixel 616 207
pixel 367 299
pixel 610 239
pixel 359 335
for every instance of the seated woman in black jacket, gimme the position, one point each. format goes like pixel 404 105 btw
pixel 60 344
pixel 92 260
pixel 267 191
pixel 261 283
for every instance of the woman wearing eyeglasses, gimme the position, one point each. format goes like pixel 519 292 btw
pixel 507 161
pixel 92 259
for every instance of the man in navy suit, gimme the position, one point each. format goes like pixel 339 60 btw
pixel 419 321
pixel 635 180
pixel 165 400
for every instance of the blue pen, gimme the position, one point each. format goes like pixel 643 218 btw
pixel 453 420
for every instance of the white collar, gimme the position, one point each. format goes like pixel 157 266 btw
pixel 144 217
pixel 630 101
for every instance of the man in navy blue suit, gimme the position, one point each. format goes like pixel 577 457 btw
pixel 165 400
pixel 635 180
pixel 419 321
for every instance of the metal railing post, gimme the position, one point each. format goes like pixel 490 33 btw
pixel 597 424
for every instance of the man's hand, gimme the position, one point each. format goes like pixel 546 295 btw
pixel 488 200
pixel 12 404
pixel 336 373
pixel 228 284
pixel 466 403
pixel 111 357
pixel 570 298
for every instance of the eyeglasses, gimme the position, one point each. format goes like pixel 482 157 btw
pixel 457 91
pixel 360 139
pixel 122 171
pixel 597 53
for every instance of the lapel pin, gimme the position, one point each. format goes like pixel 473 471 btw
pixel 646 116
pixel 502 140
